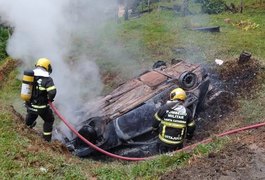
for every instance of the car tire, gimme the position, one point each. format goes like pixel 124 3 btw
pixel 188 80
pixel 159 64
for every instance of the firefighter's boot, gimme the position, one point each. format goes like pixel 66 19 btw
pixel 47 136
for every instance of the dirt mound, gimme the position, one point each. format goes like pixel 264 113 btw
pixel 239 80
pixel 242 79
pixel 243 159
pixel 37 142
pixel 6 68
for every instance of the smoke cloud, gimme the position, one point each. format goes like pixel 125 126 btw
pixel 63 31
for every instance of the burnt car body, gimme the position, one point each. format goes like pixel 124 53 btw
pixel 122 121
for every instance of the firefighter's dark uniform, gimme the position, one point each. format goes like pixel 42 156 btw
pixel 174 123
pixel 44 90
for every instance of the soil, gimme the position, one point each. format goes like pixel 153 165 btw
pixel 241 81
pixel 5 69
pixel 37 143
pixel 243 158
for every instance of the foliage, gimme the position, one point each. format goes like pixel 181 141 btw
pixel 213 6
pixel 4 35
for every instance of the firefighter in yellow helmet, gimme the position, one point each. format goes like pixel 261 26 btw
pixel 43 91
pixel 174 123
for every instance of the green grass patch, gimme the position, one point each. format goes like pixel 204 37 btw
pixel 17 162
pixel 11 88
pixel 253 109
pixel 163 35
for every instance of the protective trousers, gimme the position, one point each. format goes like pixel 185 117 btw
pixel 47 115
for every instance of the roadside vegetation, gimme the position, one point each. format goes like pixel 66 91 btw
pixel 159 35
pixel 4 35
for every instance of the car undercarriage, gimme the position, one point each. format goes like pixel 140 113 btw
pixel 121 122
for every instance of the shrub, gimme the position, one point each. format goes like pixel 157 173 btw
pixel 4 35
pixel 213 6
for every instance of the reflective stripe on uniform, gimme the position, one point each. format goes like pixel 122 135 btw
pixel 42 88
pixel 32 109
pixel 163 130
pixel 181 122
pixel 173 125
pixel 174 121
pixel 51 88
pixel 192 123
pixel 47 133
pixel 169 141
pixel 157 117
pixel 39 107
pixel 182 131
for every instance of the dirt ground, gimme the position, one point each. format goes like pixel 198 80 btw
pixel 244 159
pixel 6 68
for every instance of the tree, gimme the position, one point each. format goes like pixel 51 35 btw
pixel 126 14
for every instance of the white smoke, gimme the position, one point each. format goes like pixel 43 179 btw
pixel 60 30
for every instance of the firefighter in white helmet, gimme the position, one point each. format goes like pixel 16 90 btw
pixel 174 123
pixel 43 91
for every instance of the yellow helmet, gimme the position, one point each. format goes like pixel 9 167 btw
pixel 178 94
pixel 45 63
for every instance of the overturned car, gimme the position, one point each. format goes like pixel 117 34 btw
pixel 122 121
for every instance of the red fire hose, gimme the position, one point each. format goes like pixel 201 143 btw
pixel 147 158
pixel 224 134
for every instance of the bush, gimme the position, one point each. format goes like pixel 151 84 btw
pixel 4 35
pixel 213 6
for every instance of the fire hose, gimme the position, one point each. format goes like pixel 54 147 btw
pixel 147 158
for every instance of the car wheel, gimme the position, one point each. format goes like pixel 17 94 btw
pixel 159 64
pixel 188 80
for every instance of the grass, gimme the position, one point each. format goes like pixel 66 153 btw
pixel 17 162
pixel 160 32
pixel 158 35
pixel 252 110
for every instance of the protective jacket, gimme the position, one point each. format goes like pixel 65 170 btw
pixel 175 123
pixel 44 89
